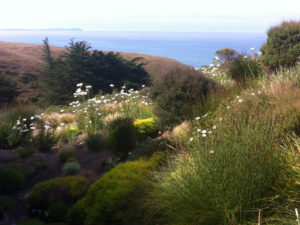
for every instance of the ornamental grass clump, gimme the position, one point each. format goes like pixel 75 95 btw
pixel 121 137
pixel 234 166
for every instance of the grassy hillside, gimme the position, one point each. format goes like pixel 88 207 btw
pixel 22 62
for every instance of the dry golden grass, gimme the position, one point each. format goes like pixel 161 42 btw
pixel 112 117
pixel 60 118
pixel 182 130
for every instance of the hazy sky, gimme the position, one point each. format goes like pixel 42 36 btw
pixel 150 15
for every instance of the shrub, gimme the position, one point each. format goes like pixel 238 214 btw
pixel 31 222
pixel 8 89
pixel 121 137
pixel 46 137
pixel 226 55
pixel 65 153
pixel 19 113
pixel 95 142
pixel 15 126
pixel 66 189
pixel 72 159
pixel 145 128
pixel 9 137
pixel 30 165
pixel 71 168
pixel 6 203
pixel 67 135
pixel 26 152
pixel 282 48
pixel 57 210
pixel 113 199
pixel 10 180
pixel 179 94
pixel 244 68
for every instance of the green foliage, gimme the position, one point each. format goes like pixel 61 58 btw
pixel 67 135
pixel 10 180
pixel 31 222
pixel 113 199
pixel 46 136
pixel 6 203
pixel 8 89
pixel 65 189
pixel 79 65
pixel 15 126
pixel 9 137
pixel 227 175
pixel 244 68
pixel 71 168
pixel 29 166
pixel 57 210
pixel 176 94
pixel 25 152
pixel 19 112
pixel 91 123
pixel 65 153
pixel 121 137
pixel 282 48
pixel 226 55
pixel 145 128
pixel 95 142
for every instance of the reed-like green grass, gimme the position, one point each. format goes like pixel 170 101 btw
pixel 238 162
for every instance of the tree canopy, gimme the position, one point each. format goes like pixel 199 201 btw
pixel 81 65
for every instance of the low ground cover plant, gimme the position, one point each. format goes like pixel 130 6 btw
pixel 10 180
pixel 114 198
pixel 65 189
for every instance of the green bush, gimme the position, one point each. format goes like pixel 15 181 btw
pixel 45 138
pixel 66 189
pixel 226 55
pixel 19 113
pixel 6 203
pixel 29 166
pixel 176 94
pixel 9 137
pixel 67 135
pixel 71 168
pixel 57 210
pixel 244 68
pixel 95 142
pixel 15 126
pixel 25 152
pixel 31 222
pixel 10 180
pixel 145 128
pixel 121 137
pixel 65 153
pixel 114 198
pixel 8 89
pixel 282 48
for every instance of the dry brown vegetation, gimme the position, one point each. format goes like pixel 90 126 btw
pixel 24 61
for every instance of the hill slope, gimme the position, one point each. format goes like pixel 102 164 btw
pixel 23 62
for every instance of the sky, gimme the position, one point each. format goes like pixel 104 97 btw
pixel 150 15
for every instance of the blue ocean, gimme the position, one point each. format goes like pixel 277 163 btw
pixel 192 48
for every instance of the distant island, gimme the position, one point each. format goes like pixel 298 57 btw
pixel 45 29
